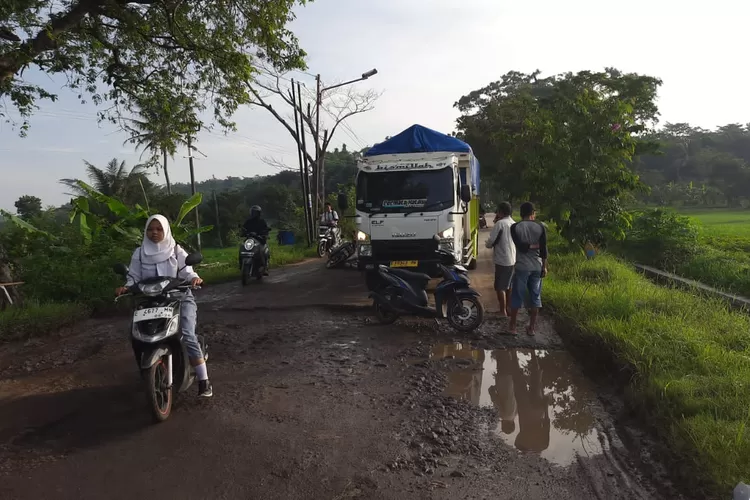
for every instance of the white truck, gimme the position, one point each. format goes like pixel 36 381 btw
pixel 417 192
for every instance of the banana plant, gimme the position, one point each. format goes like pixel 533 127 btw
pixel 126 222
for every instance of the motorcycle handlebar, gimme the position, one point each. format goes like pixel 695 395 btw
pixel 178 287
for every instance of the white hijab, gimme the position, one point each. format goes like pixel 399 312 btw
pixel 154 253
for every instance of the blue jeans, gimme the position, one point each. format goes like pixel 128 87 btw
pixel 188 320
pixel 526 285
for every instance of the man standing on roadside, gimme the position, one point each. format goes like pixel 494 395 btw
pixel 503 254
pixel 530 238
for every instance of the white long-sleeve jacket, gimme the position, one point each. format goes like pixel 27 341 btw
pixel 140 270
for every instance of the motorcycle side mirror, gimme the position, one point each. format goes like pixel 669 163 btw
pixel 466 193
pixel 343 201
pixel 120 269
pixel 193 259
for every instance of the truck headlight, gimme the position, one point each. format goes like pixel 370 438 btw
pixel 446 234
pixel 362 236
pixel 446 239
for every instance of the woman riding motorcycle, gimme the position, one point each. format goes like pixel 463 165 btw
pixel 159 255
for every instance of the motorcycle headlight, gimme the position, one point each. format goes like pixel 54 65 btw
pixel 249 244
pixel 362 236
pixel 153 288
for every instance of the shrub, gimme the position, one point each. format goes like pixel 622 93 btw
pixel 661 238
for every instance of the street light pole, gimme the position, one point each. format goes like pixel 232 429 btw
pixel 319 153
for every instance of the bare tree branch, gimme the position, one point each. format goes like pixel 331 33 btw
pixel 275 163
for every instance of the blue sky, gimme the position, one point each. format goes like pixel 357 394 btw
pixel 428 54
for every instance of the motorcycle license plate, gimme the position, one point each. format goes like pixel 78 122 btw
pixel 152 313
pixel 404 263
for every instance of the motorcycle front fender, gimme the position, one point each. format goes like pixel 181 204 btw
pixel 448 290
pixel 151 356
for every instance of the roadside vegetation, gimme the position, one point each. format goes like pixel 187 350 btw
pixel 686 357
pixel 710 247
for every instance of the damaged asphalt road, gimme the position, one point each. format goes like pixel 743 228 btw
pixel 313 400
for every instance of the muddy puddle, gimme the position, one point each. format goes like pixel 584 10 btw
pixel 543 402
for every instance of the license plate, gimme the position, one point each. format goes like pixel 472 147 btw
pixel 404 263
pixel 152 313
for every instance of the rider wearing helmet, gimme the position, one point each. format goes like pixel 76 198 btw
pixel 256 224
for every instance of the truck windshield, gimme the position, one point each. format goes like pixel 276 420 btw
pixel 405 191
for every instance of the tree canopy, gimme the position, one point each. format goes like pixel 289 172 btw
pixel 28 207
pixel 565 141
pixel 698 167
pixel 121 50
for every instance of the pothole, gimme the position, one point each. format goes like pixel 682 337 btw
pixel 544 403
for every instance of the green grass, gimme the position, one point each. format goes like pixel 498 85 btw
pixel 34 318
pixel 220 264
pixel 690 358
pixel 723 260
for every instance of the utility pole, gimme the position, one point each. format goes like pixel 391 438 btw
pixel 319 153
pixel 318 144
pixel 192 189
pixel 216 210
pixel 192 183
pixel 299 128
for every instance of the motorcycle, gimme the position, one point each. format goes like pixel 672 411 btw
pixel 340 255
pixel 326 239
pixel 156 337
pixel 400 292
pixel 252 261
pixel 482 222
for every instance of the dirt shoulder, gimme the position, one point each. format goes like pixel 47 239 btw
pixel 312 400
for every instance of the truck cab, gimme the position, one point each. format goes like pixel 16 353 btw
pixel 416 193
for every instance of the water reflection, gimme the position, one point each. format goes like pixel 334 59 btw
pixel 523 385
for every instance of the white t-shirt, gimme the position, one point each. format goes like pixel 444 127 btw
pixel 329 216
pixel 504 250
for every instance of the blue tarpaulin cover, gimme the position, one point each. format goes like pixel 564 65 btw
pixel 419 139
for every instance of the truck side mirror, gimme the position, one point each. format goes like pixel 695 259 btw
pixel 466 193
pixel 343 201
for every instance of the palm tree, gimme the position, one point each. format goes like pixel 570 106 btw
pixel 115 180
pixel 160 129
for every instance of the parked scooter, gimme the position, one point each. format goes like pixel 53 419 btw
pixel 254 256
pixel 156 336
pixel 482 221
pixel 400 292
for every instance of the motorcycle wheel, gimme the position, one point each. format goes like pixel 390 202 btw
pixel 466 313
pixel 158 394
pixel 384 316
pixel 321 248
pixel 246 271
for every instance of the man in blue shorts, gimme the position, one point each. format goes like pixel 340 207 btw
pixel 530 238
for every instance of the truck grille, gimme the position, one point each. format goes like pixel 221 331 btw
pixel 404 249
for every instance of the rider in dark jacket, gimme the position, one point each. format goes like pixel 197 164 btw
pixel 257 225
